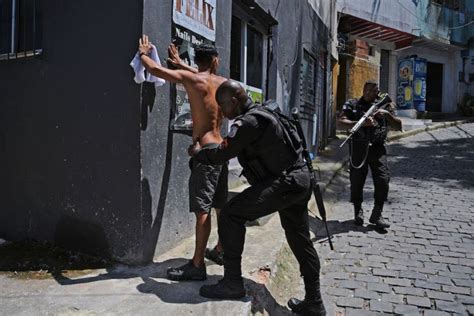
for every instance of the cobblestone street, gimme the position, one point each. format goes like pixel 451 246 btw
pixel 424 264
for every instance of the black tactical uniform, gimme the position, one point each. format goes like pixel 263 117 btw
pixel 367 149
pixel 279 182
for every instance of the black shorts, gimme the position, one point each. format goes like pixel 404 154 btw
pixel 207 185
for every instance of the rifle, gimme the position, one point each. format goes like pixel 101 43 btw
pixel 316 189
pixel 384 99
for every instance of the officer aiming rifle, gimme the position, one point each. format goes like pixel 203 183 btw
pixel 368 119
pixel 384 100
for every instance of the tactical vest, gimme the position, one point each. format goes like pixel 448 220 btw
pixel 276 151
pixel 377 134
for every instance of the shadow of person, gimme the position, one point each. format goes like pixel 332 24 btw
pixel 176 292
pixel 117 272
pixel 41 260
pixel 336 227
pixel 188 293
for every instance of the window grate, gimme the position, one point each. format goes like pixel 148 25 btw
pixel 20 29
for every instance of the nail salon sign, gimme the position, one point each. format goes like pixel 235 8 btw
pixel 196 15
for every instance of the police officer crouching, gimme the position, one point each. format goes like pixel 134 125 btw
pixel 367 149
pixel 279 182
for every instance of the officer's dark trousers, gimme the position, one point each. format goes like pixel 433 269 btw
pixel 377 160
pixel 289 196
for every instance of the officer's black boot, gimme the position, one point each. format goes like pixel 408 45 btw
pixel 312 304
pixel 376 217
pixel 224 289
pixel 358 214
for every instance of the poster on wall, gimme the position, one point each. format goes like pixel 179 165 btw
pixel 404 89
pixel 193 24
pixel 411 90
pixel 196 15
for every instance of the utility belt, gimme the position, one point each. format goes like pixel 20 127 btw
pixel 297 166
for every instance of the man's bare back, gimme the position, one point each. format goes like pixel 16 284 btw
pixel 207 118
pixel 201 86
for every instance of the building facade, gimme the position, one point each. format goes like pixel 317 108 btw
pixel 93 161
pixel 413 48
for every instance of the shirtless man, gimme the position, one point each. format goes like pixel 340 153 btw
pixel 207 184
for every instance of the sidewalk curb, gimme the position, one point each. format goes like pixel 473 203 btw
pixel 342 162
pixel 435 126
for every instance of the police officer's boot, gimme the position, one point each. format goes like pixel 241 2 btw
pixel 376 217
pixel 312 304
pixel 224 289
pixel 358 214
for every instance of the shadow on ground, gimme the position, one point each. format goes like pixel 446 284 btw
pixel 336 227
pixel 39 260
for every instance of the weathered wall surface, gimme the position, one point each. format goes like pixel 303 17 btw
pixel 70 128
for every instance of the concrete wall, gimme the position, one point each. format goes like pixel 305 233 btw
pixel 164 158
pixel 388 13
pixel 418 17
pixel 360 67
pixel 299 27
pixel 69 126
pixel 87 158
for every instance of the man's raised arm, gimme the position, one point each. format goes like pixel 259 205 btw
pixel 175 76
pixel 176 61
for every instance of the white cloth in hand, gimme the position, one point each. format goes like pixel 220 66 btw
pixel 139 69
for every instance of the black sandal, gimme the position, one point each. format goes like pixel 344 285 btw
pixel 187 272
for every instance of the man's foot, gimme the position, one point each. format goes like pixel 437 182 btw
pixel 215 255
pixel 378 221
pixel 313 308
pixel 224 289
pixel 187 272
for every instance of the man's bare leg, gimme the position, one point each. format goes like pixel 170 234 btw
pixel 219 245
pixel 203 230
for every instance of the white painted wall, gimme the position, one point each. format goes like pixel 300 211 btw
pixel 393 80
pixel 397 14
pixel 467 87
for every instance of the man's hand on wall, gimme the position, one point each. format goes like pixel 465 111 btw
pixel 144 45
pixel 174 58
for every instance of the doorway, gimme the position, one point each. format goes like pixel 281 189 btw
pixel 434 87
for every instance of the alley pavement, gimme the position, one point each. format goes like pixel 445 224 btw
pixel 423 264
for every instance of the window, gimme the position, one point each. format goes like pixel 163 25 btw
pixel 254 72
pixel 371 50
pixel 312 96
pixel 248 53
pixel 20 28
pixel 308 73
